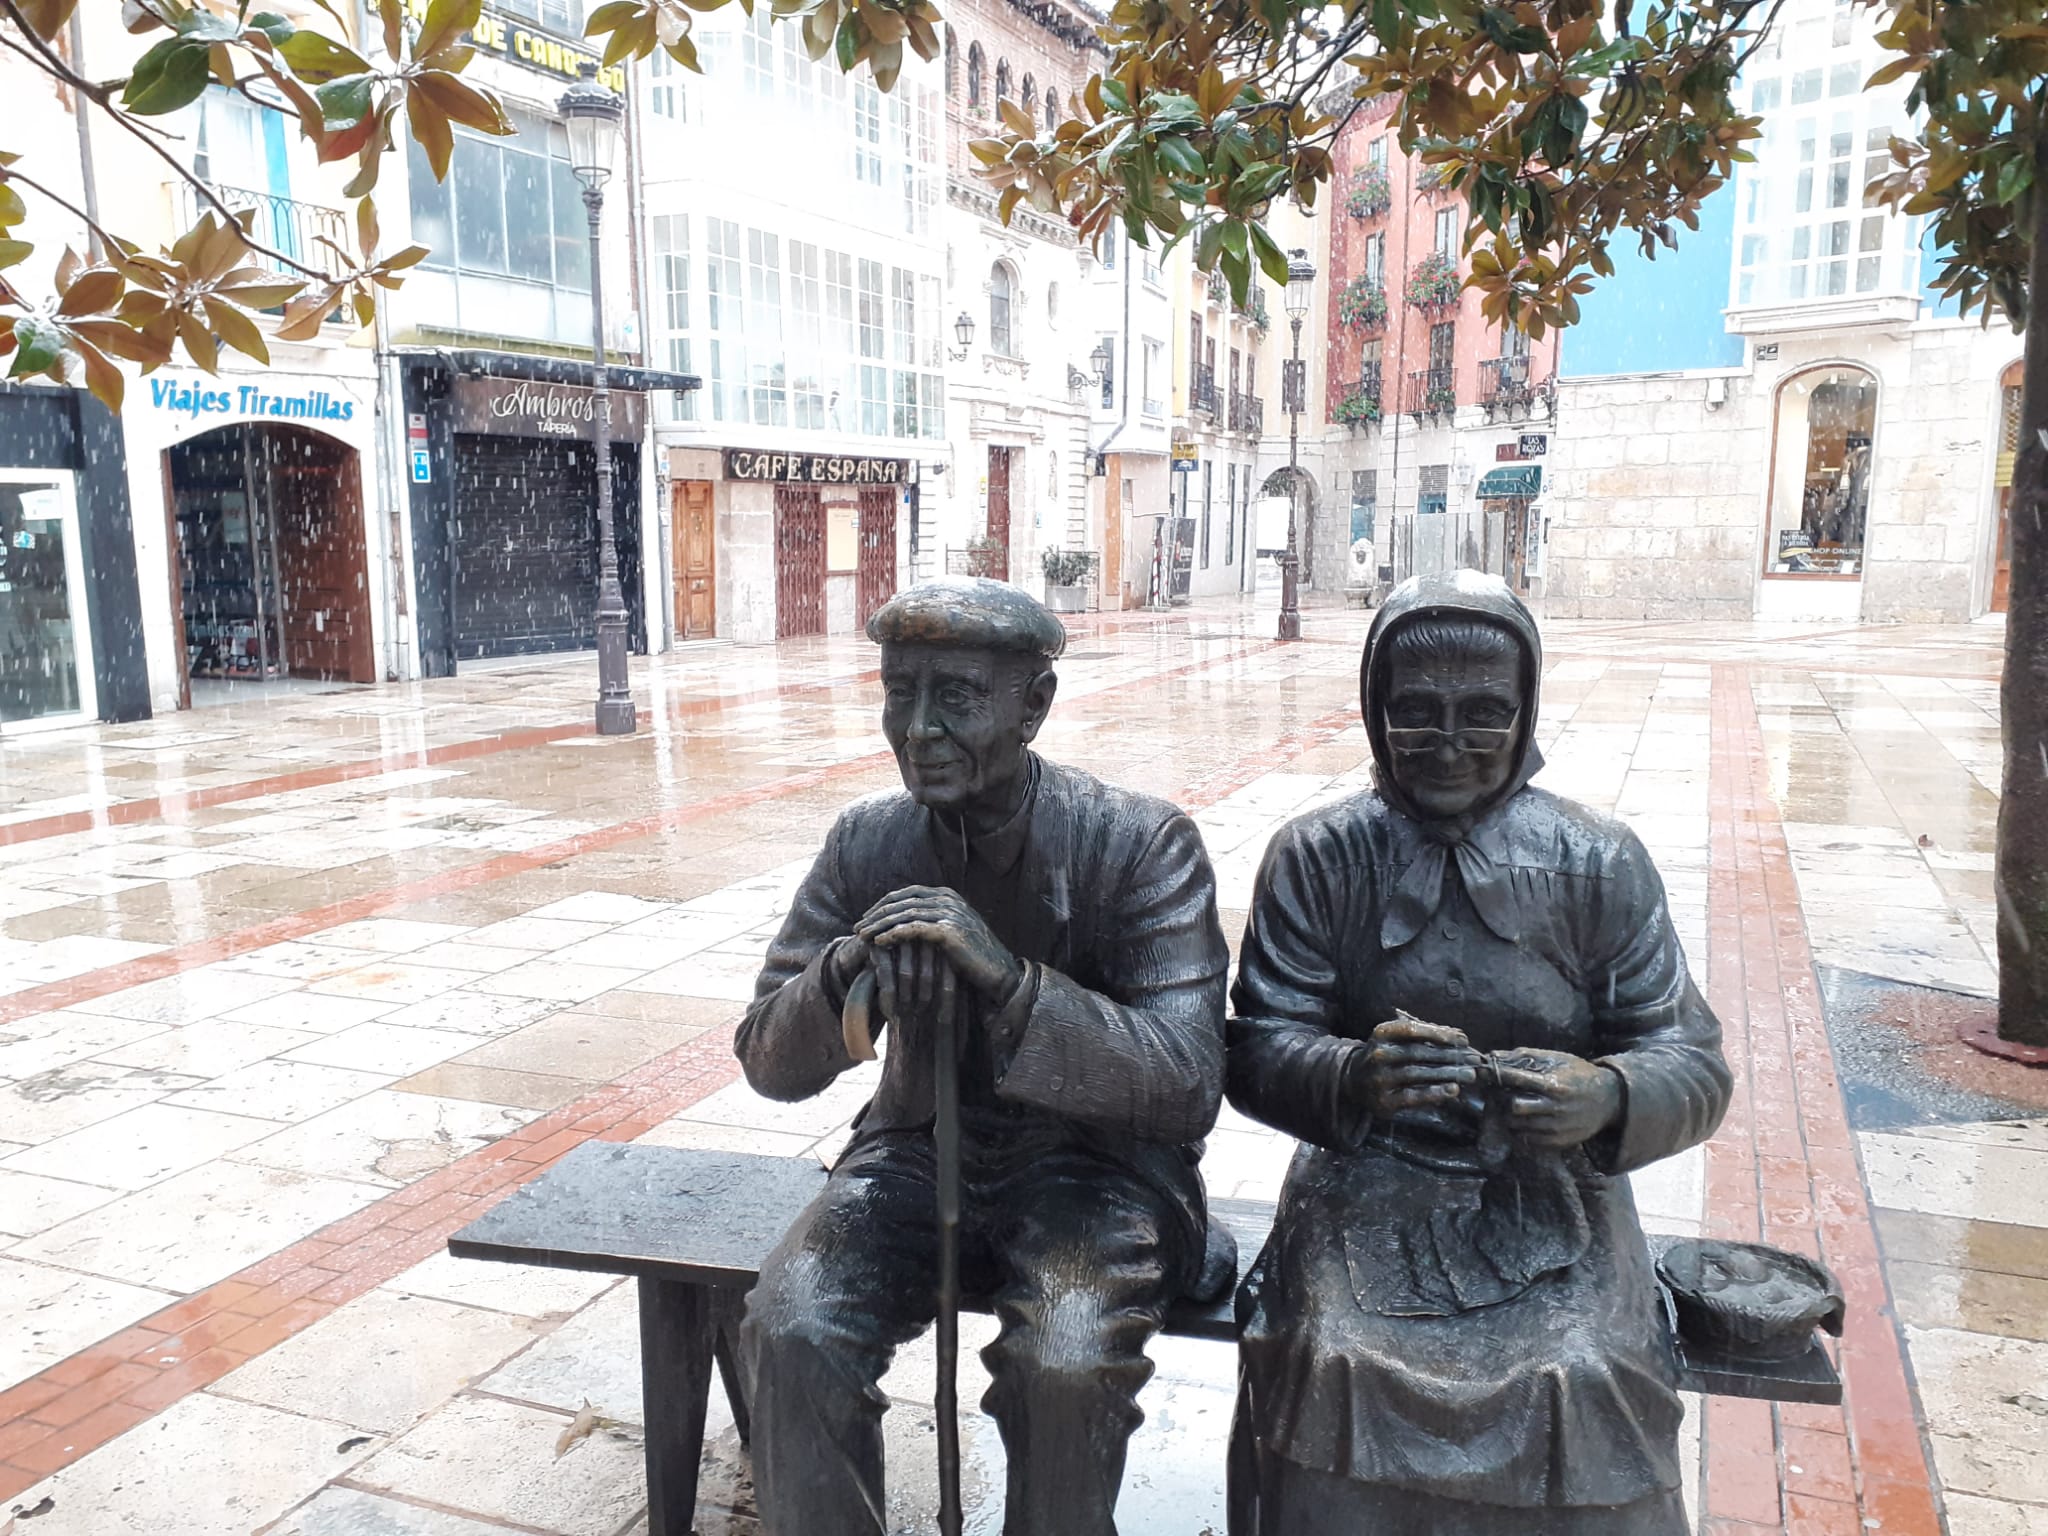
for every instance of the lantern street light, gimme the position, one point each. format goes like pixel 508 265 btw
pixel 963 329
pixel 592 115
pixel 1301 276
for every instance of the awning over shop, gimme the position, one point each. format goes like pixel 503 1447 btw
pixel 1515 482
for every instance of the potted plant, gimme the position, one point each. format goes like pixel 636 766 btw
pixel 987 557
pixel 1370 194
pixel 1433 282
pixel 1066 579
pixel 1363 303
pixel 1254 310
pixel 1432 179
pixel 1357 409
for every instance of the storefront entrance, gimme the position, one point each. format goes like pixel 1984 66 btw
pixel 523 539
pixel 799 562
pixel 42 601
pixel 271 568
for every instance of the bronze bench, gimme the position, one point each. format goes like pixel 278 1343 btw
pixel 694 1227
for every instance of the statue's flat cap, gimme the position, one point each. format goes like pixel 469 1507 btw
pixel 971 612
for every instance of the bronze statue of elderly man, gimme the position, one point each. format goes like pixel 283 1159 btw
pixel 1075 923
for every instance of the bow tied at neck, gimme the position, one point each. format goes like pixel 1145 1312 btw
pixel 1420 890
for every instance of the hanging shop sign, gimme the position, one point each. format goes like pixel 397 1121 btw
pixel 522 408
pixel 518 42
pixel 814 468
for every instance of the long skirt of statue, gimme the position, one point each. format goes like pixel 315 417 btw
pixel 1440 1341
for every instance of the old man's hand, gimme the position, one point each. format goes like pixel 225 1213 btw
pixel 922 915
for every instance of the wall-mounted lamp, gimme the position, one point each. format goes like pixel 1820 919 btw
pixel 963 329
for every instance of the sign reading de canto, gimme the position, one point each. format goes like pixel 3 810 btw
pixel 530 48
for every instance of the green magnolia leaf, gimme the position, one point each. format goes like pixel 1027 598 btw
pixel 317 59
pixel 347 101
pixel 272 26
pixel 12 209
pixel 15 252
pixel 169 76
pixel 39 344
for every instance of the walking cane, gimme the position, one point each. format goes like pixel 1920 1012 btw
pixel 946 1145
pixel 860 1044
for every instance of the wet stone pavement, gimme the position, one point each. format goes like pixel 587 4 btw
pixel 292 988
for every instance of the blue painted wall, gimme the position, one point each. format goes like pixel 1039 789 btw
pixel 1653 316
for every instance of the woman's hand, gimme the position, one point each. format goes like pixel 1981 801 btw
pixel 1558 1100
pixel 1410 1065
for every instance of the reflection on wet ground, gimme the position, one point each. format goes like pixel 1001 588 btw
pixel 288 985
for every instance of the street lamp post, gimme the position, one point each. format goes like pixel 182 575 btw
pixel 1301 276
pixel 592 115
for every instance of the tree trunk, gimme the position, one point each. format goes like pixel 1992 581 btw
pixel 2022 877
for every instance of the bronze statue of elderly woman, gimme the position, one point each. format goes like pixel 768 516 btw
pixel 1465 998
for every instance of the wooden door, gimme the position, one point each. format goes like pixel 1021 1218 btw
pixel 315 514
pixel 998 565
pixel 696 575
pixel 799 562
pixel 1515 542
pixel 877 551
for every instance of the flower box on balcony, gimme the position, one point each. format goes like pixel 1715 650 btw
pixel 1358 409
pixel 1434 283
pixel 1370 194
pixel 1363 303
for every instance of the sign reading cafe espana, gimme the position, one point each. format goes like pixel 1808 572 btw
pixel 528 46
pixel 814 468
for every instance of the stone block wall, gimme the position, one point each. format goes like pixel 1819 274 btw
pixel 1653 498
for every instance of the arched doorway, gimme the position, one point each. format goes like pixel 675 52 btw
pixel 2008 453
pixel 272 573
pixel 1285 488
pixel 1826 436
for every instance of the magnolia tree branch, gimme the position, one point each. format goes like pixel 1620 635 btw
pixel 11 175
pixel 46 59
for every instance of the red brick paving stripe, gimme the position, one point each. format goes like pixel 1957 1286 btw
pixel 177 805
pixel 297 925
pixel 1783 1169
pixel 189 1345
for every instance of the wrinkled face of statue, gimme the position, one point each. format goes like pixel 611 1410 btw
pixel 959 721
pixel 1451 718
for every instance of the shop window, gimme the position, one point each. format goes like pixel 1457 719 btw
pixel 42 673
pixel 1820 480
pixel 1433 494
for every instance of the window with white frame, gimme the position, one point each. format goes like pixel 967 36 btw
pixel 1154 376
pixel 1447 233
pixel 666 97
pixel 757 53
pixel 767 376
pixel 1807 228
pixel 671 243
pixel 1376 261
pixel 867 133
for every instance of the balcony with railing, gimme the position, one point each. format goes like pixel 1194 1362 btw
pixel 1247 412
pixel 1432 392
pixel 1504 386
pixel 1202 390
pixel 1359 404
pixel 285 225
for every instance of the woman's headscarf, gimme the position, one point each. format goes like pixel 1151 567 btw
pixel 1451 840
